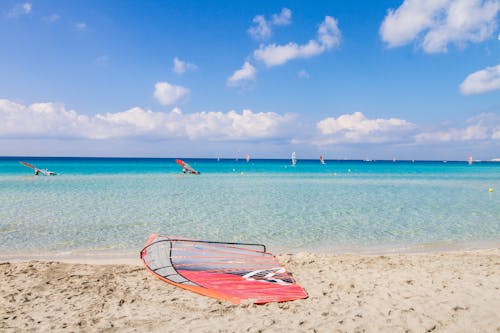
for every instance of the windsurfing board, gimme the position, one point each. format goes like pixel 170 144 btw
pixel 44 172
pixel 186 167
pixel 233 272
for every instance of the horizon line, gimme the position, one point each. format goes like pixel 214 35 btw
pixel 243 158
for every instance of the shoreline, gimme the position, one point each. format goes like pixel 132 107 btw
pixel 420 292
pixel 131 257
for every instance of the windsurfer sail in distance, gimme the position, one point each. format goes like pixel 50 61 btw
pixel 37 171
pixel 186 168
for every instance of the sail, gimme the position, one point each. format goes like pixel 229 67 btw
pixel 31 166
pixel 234 272
pixel 294 159
pixel 186 167
pixel 44 172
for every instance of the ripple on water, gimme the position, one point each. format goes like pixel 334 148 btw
pixel 284 210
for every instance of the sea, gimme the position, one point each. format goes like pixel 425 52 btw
pixel 112 205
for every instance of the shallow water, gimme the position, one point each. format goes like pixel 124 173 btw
pixel 114 204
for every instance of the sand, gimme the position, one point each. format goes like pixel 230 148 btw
pixel 433 292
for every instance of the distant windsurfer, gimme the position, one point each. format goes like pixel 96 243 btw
pixel 186 168
pixel 37 171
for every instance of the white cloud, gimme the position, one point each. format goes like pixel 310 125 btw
pixel 168 94
pixel 20 9
pixel 246 73
pixel 485 126
pixel 50 120
pixel 181 67
pixel 487 79
pixel 437 23
pixel 26 7
pixel 329 36
pixel 303 74
pixel 81 26
pixel 235 126
pixel 261 30
pixel 283 18
pixel 51 18
pixel 356 128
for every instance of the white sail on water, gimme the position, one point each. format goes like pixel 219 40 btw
pixel 294 159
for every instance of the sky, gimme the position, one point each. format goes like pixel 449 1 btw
pixel 411 79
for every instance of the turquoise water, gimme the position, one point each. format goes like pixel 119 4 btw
pixel 114 204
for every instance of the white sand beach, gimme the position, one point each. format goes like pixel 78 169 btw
pixel 431 292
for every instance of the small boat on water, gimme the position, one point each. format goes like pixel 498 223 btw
pixel 321 160
pixel 247 158
pixel 294 159
pixel 469 160
pixel 37 171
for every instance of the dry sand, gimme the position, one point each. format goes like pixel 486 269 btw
pixel 440 292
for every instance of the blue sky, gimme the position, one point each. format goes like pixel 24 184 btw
pixel 346 79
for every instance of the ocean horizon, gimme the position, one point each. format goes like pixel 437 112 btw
pixel 112 204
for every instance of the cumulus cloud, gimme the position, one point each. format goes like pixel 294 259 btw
pixel 26 7
pixel 283 18
pixel 232 125
pixel 181 67
pixel 50 120
pixel 246 73
pixel 487 79
pixel 328 36
pixel 167 94
pixel 262 28
pixel 485 126
pixel 437 23
pixel 20 9
pixel 356 128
